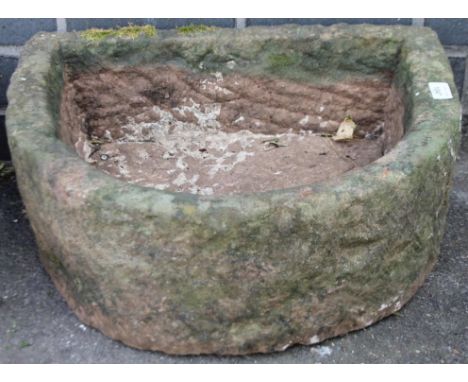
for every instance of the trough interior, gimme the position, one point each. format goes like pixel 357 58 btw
pixel 232 125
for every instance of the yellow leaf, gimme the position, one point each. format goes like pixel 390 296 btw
pixel 345 130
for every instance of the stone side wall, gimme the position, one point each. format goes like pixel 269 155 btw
pixel 453 33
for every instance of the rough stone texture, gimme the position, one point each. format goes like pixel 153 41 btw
pixel 450 31
pixel 243 274
pixel 18 31
pixel 80 24
pixel 458 68
pixel 38 327
pixel 176 130
pixel 7 67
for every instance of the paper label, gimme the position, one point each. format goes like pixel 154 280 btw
pixel 440 90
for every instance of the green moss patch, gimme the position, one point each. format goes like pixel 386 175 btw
pixel 131 31
pixel 192 28
pixel 282 60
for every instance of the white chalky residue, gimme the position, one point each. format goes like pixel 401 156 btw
pixel 206 117
pixel 183 139
pixel 183 142
pixel 240 119
pixel 314 340
pixel 383 306
pixel 304 121
pixel 122 166
pixel 219 165
pixel 180 180
pixel 323 351
pixel 207 84
pixel 452 151
pixel 168 155
pixel 390 303
pixel 206 191
pixel 324 124
pixel 194 179
pixel 143 155
pixel 322 108
pixel 180 164
pixel 161 186
pixel 210 85
pixel 242 156
pixel 218 76
pixel 83 146
pixel 231 64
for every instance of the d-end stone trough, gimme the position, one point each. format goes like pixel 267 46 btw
pixel 241 272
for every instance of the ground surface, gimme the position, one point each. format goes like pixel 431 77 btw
pixel 36 325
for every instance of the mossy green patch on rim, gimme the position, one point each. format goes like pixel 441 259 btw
pixel 195 28
pixel 131 31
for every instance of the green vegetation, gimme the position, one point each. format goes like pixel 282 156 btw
pixel 24 344
pixel 131 31
pixel 192 28
pixel 6 170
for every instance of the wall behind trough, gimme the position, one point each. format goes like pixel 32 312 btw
pixel 453 34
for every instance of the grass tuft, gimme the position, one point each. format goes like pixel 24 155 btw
pixel 6 170
pixel 195 28
pixel 131 31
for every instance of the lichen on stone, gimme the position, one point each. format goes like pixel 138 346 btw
pixel 281 61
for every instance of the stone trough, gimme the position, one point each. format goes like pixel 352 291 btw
pixel 187 195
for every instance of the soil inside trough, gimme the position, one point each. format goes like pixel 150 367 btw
pixel 212 133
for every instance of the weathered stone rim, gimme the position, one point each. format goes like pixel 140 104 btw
pixel 402 158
